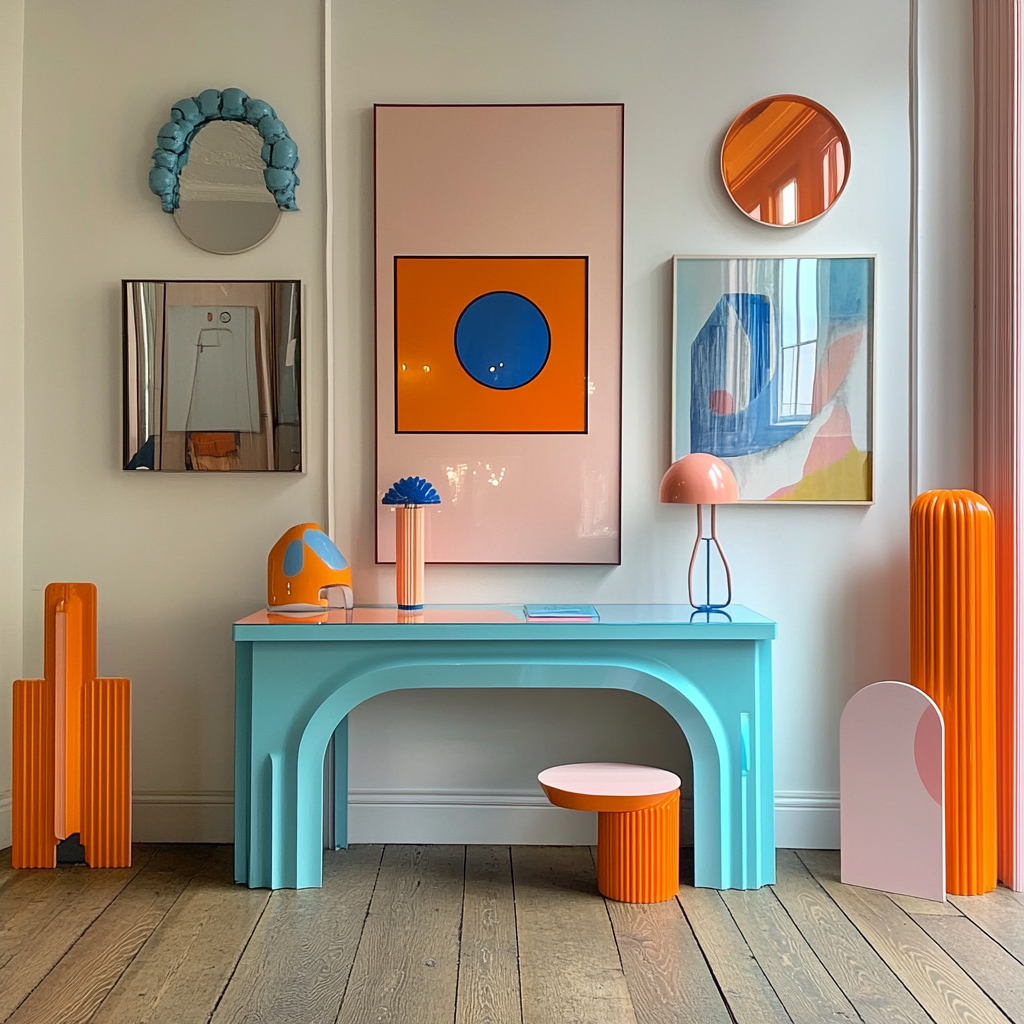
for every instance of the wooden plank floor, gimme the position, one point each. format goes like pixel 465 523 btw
pixel 492 935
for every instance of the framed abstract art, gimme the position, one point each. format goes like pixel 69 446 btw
pixel 773 372
pixel 498 232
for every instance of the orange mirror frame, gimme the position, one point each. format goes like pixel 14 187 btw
pixel 785 160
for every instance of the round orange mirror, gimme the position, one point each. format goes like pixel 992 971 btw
pixel 785 160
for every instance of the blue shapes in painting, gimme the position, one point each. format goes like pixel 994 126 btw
pixel 733 399
pixel 849 290
pixel 502 340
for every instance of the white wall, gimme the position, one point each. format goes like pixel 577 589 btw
pixel 834 578
pixel 12 348
pixel 945 266
pixel 176 557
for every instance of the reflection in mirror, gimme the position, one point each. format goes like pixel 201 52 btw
pixel 225 206
pixel 785 160
pixel 212 373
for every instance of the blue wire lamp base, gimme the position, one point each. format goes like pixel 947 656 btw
pixel 708 605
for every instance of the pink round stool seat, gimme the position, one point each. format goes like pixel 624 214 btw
pixel 606 786
pixel 637 824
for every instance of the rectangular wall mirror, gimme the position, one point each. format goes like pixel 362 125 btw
pixel 212 375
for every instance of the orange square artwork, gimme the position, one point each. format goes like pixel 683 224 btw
pixel 491 344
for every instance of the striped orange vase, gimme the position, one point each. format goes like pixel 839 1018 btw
pixel 69 660
pixel 107 772
pixel 410 547
pixel 34 844
pixel 952 658
pixel 638 852
pixel 72 744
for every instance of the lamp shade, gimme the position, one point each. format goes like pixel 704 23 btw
pixel 699 479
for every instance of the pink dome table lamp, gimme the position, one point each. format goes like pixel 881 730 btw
pixel 701 479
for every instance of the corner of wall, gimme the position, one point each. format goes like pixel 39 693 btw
pixel 12 390
pixel 942 403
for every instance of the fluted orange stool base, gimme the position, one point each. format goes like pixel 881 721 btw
pixel 637 824
pixel 638 853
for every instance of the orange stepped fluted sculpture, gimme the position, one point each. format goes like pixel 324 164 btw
pixel 72 744
pixel 952 658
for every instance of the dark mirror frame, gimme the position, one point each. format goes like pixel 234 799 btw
pixel 212 376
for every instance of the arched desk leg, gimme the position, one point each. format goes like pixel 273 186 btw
pixel 340 793
pixel 243 752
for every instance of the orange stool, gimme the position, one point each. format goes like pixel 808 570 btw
pixel 637 825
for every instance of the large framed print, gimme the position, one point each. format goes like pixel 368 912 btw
pixel 772 371
pixel 498 263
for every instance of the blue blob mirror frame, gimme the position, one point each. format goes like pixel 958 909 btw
pixel 280 154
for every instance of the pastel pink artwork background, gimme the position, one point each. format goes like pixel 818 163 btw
pixel 525 180
pixel 892 822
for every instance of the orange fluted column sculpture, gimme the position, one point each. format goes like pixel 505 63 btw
pixel 72 744
pixel 107 772
pixel 952 658
pixel 34 844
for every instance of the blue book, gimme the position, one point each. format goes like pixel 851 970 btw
pixel 584 612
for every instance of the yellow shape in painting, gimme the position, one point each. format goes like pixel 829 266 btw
pixel 846 479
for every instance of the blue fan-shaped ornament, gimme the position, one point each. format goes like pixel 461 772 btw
pixel 411 490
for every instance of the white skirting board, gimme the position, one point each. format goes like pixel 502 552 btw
pixel 5 819
pixel 806 821
pixel 183 817
pixel 803 820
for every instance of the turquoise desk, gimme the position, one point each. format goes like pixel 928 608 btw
pixel 295 684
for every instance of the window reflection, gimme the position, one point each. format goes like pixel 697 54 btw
pixel 785 160
pixel 798 337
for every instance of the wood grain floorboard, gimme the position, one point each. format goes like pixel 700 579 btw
pixel 181 971
pixel 803 985
pixel 1000 914
pixel 488 935
pixel 406 968
pixel 44 885
pixel 488 991
pixel 42 929
pixel 747 991
pixel 297 963
pixel 7 873
pixel 875 992
pixel 937 982
pixel 918 907
pixel 76 986
pixel 23 886
pixel 569 966
pixel 669 980
pixel 998 973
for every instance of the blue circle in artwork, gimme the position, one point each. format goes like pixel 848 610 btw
pixel 502 340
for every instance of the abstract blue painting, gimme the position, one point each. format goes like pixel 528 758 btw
pixel 772 372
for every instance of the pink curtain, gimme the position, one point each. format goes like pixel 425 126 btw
pixel 999 394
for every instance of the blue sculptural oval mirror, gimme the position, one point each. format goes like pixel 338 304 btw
pixel 224 166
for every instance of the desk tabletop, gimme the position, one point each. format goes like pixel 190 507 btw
pixel 508 622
